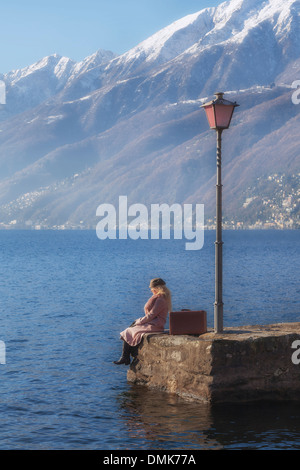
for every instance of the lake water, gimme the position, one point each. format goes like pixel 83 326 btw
pixel 66 295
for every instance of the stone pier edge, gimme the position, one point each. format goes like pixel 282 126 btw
pixel 246 363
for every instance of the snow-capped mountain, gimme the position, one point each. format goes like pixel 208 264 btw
pixel 241 42
pixel 229 23
pixel 74 135
pixel 30 86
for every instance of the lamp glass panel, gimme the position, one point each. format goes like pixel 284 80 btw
pixel 210 114
pixel 223 115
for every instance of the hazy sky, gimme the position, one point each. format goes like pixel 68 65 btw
pixel 32 29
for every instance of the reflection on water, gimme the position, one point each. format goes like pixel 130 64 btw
pixel 262 425
pixel 157 420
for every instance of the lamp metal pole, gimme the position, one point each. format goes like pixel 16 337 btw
pixel 218 306
pixel 219 113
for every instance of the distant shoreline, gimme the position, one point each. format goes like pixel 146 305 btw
pixel 207 229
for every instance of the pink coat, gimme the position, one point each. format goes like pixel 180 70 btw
pixel 156 311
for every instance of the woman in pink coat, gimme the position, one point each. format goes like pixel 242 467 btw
pixel 156 311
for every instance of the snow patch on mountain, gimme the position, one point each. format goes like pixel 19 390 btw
pixel 230 22
pixel 61 68
pixel 98 58
pixel 172 40
pixel 32 85
pixel 54 63
pixel 51 119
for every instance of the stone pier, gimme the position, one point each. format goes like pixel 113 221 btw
pixel 245 363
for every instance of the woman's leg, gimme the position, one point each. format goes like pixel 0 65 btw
pixel 125 358
pixel 134 350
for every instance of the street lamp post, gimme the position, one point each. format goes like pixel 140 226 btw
pixel 219 113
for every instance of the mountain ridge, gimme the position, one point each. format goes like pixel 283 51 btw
pixel 133 123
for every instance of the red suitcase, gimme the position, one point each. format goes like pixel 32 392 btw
pixel 187 322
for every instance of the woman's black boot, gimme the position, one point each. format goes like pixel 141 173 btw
pixel 125 358
pixel 134 350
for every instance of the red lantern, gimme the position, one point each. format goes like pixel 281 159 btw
pixel 219 112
